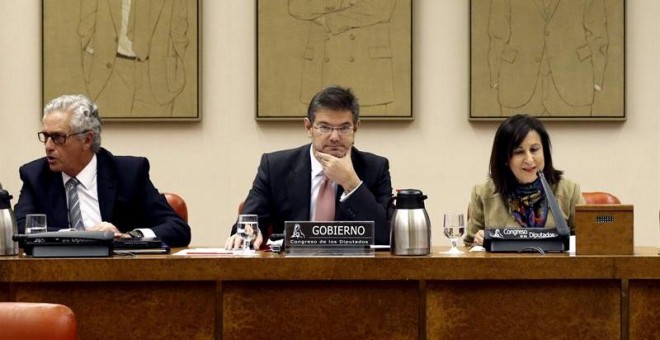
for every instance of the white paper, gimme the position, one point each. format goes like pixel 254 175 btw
pixel 205 251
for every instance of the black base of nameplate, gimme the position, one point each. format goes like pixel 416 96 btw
pixel 525 246
pixel 330 251
pixel 525 240
pixel 70 251
pixel 331 238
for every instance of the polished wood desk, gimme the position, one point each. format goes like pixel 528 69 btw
pixel 473 296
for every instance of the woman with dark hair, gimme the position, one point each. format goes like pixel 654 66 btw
pixel 513 195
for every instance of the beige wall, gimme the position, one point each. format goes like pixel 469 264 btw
pixel 212 163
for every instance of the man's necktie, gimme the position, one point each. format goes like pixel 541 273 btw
pixel 325 202
pixel 75 217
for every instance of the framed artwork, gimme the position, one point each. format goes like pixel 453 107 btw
pixel 557 60
pixel 306 45
pixel 137 60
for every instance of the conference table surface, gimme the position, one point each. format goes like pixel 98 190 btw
pixel 381 296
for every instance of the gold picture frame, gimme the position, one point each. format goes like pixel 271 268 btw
pixel 137 60
pixel 303 46
pixel 557 60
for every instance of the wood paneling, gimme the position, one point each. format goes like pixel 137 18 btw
pixel 475 295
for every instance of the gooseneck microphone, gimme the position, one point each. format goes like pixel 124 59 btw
pixel 562 227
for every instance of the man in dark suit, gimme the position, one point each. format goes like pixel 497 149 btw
pixel 82 186
pixel 288 182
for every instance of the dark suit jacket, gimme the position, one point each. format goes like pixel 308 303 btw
pixel 127 198
pixel 281 191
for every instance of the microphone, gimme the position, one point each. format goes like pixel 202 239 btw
pixel 562 227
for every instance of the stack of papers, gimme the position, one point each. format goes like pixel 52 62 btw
pixel 215 251
pixel 205 251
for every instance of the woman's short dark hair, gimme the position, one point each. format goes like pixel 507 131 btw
pixel 510 134
pixel 335 98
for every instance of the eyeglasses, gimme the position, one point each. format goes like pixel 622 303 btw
pixel 57 138
pixel 327 129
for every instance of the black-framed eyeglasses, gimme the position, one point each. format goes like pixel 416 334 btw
pixel 57 138
pixel 327 129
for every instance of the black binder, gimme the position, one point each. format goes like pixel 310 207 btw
pixel 142 245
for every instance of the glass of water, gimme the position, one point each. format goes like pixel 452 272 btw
pixel 35 223
pixel 247 229
pixel 454 228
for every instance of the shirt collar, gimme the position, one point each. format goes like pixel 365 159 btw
pixel 86 175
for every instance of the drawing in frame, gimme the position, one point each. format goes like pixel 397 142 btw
pixel 555 59
pixel 138 60
pixel 303 46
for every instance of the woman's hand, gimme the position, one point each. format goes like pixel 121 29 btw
pixel 479 238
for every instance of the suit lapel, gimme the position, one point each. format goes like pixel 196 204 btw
pixel 540 5
pixel 552 7
pixel 57 196
pixel 298 185
pixel 115 15
pixel 106 185
pixel 154 14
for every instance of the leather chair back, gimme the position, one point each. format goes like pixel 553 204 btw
pixel 178 204
pixel 600 197
pixel 29 320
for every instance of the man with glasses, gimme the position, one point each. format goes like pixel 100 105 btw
pixel 80 185
pixel 289 183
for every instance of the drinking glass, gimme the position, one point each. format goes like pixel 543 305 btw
pixel 247 229
pixel 35 223
pixel 454 228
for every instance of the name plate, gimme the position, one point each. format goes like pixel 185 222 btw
pixel 521 233
pixel 319 238
pixel 525 239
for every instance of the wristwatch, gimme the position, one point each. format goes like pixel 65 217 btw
pixel 136 233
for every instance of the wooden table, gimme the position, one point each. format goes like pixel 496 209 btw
pixel 472 296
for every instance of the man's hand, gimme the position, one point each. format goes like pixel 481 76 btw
pixel 107 226
pixel 234 242
pixel 339 170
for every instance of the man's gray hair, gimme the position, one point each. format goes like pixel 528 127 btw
pixel 84 115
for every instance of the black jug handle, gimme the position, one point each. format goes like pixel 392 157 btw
pixel 389 202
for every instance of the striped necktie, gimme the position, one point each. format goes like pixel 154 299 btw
pixel 325 201
pixel 75 217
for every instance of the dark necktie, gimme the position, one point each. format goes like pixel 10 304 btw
pixel 325 201
pixel 75 217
